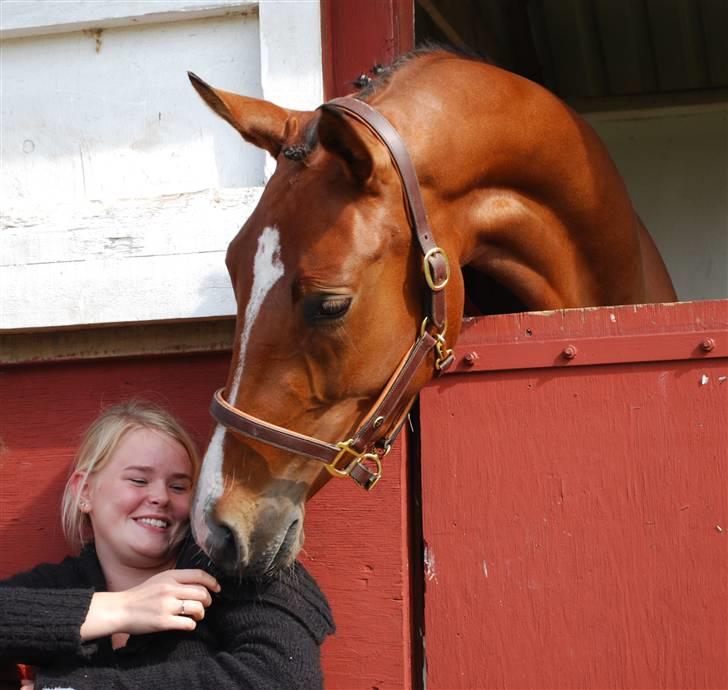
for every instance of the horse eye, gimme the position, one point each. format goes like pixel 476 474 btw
pixel 327 307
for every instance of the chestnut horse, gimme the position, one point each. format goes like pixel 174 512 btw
pixel 328 273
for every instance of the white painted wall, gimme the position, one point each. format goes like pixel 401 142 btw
pixel 120 189
pixel 675 164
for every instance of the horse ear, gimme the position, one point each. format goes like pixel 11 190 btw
pixel 260 122
pixel 353 143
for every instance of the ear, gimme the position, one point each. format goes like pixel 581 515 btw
pixel 342 136
pixel 261 123
pixel 81 490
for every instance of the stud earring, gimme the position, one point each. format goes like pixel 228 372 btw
pixel 82 505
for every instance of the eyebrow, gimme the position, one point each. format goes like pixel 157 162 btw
pixel 147 470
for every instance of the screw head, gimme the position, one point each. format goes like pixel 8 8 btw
pixel 471 358
pixel 708 345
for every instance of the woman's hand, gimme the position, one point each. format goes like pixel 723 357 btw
pixel 172 600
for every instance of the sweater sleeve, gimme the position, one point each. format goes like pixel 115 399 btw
pixel 268 640
pixel 41 614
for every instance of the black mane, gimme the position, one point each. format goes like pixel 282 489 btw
pixel 382 75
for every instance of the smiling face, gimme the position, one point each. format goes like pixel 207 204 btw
pixel 139 502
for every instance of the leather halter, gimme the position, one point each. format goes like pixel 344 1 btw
pixel 360 456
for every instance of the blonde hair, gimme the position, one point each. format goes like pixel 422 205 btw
pixel 97 447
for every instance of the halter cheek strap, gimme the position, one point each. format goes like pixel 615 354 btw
pixel 360 456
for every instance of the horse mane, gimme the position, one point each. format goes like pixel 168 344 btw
pixel 383 74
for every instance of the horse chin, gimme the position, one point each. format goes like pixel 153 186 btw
pixel 278 556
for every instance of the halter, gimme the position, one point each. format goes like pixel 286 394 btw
pixel 361 456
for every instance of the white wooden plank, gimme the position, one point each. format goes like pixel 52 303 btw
pixel 290 56
pixel 176 224
pixel 116 262
pixel 138 289
pixel 124 121
pixel 23 18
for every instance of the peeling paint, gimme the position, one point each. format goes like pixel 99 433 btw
pixel 485 569
pixel 704 379
pixel 429 559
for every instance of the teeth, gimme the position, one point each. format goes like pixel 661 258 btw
pixel 153 522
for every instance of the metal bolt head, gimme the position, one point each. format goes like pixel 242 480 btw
pixel 708 345
pixel 378 422
pixel 569 352
pixel 471 358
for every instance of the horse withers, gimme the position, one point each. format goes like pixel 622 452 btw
pixel 331 286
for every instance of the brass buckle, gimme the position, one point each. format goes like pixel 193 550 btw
pixel 435 287
pixel 357 459
pixel 444 353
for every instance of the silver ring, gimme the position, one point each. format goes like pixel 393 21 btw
pixel 182 609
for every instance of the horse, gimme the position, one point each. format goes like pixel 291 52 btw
pixel 349 273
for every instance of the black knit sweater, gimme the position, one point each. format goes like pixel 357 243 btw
pixel 256 634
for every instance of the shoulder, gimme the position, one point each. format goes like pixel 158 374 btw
pixel 72 572
pixel 292 592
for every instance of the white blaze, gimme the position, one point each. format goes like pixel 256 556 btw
pixel 267 270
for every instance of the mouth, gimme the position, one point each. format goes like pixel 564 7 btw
pixel 282 552
pixel 155 524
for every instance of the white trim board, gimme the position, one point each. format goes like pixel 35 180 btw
pixel 24 18
pixel 100 264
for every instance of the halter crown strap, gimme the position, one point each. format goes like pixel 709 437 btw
pixel 436 267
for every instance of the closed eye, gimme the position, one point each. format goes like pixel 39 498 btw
pixel 321 308
pixel 137 482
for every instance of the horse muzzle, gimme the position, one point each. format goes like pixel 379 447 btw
pixel 253 548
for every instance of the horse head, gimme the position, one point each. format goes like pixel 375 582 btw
pixel 329 287
pixel 346 305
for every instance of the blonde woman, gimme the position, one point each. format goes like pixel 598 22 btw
pixel 86 622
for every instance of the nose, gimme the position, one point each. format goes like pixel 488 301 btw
pixel 223 547
pixel 158 494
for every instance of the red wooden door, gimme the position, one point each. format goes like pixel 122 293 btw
pixel 575 510
pixel 362 566
pixel 358 34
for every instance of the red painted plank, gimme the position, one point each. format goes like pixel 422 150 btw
pixel 357 35
pixel 362 566
pixel 577 519
pixel 581 337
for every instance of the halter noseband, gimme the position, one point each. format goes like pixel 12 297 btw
pixel 360 456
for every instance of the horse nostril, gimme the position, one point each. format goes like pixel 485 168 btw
pixel 223 547
pixel 227 551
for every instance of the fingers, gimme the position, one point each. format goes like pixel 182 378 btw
pixel 195 577
pixel 191 609
pixel 196 593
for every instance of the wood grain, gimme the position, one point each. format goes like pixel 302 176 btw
pixel 356 542
pixel 575 519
